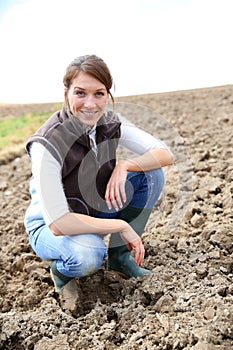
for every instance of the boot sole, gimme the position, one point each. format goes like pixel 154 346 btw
pixel 121 274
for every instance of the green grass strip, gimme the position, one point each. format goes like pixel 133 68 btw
pixel 15 130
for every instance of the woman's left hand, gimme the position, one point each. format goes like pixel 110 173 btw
pixel 115 194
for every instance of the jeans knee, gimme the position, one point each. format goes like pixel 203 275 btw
pixel 156 181
pixel 157 178
pixel 91 262
pixel 88 255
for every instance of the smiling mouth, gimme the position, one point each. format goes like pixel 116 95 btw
pixel 89 114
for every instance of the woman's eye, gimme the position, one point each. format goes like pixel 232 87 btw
pixel 99 94
pixel 79 93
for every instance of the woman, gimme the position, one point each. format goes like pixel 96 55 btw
pixel 79 193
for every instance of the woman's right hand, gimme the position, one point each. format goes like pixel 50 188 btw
pixel 133 242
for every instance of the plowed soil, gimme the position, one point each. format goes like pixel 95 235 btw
pixel 187 302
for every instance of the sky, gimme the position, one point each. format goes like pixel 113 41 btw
pixel 150 46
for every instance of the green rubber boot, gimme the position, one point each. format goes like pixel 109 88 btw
pixel 119 256
pixel 58 278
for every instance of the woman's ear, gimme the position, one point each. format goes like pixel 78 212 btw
pixel 66 102
pixel 66 94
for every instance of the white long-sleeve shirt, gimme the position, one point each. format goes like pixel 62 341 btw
pixel 48 197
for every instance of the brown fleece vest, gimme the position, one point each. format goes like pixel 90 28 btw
pixel 84 175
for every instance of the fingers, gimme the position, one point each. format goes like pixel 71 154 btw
pixel 139 252
pixel 115 195
pixel 133 242
pixel 113 199
pixel 122 191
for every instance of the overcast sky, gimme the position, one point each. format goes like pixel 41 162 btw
pixel 150 46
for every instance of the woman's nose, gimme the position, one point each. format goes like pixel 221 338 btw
pixel 89 101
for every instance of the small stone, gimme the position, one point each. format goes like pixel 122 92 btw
pixel 209 313
pixel 164 304
pixel 3 185
pixel 214 186
pixel 214 254
pixel 223 269
pixel 197 220
pixel 8 193
pixel 182 245
pixel 201 270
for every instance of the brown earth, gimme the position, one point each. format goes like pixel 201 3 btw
pixel 187 303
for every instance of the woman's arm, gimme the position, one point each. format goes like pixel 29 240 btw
pixel 152 152
pixel 73 223
pixel 115 191
pixel 153 159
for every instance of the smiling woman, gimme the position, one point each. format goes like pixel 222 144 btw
pixel 80 192
pixel 87 88
pixel 86 98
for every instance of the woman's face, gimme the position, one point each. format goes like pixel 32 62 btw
pixel 87 98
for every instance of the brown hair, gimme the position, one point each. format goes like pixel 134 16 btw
pixel 92 65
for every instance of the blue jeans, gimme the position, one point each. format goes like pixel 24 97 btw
pixel 83 254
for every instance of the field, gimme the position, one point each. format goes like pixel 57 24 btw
pixel 187 303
